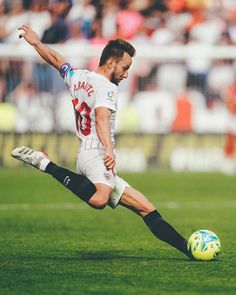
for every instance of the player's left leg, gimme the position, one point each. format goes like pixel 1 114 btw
pixel 95 194
pixel 137 202
pixel 80 185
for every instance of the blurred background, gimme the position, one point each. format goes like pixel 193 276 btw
pixel 177 109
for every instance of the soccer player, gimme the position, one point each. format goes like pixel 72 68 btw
pixel 94 98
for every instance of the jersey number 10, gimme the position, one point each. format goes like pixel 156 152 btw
pixel 83 120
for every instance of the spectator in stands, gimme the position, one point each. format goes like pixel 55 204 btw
pixel 57 32
pixel 176 5
pixel 76 38
pixel 129 21
pixel 197 65
pixel 163 35
pixel 3 19
pixel 84 12
pixel 31 105
pixel 40 18
pixel 33 12
pixel 108 19
pixel 45 77
pixel 16 15
pixel 209 30
pixel 230 138
pixel 220 77
pixel 231 21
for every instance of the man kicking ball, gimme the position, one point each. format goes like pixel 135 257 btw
pixel 94 98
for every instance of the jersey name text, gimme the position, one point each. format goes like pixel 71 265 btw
pixel 85 86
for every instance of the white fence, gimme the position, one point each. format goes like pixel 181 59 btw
pixel 150 52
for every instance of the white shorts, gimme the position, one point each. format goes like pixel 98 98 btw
pixel 90 164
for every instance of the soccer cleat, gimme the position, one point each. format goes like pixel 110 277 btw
pixel 25 154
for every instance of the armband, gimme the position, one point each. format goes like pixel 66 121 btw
pixel 64 69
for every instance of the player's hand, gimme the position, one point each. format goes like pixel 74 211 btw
pixel 109 160
pixel 28 34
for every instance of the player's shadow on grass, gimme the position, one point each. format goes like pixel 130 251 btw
pixel 112 255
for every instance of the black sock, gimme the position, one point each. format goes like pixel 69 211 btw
pixel 165 232
pixel 81 186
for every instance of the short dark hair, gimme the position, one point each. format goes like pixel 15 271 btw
pixel 116 49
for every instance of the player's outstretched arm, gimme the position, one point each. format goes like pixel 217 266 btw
pixel 48 54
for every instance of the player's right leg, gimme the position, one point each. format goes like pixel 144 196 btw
pixel 80 185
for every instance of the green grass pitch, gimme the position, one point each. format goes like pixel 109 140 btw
pixel 52 243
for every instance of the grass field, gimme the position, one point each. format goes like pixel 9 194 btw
pixel 52 243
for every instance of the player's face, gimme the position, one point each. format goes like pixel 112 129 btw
pixel 121 68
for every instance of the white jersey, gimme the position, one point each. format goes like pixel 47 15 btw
pixel 90 90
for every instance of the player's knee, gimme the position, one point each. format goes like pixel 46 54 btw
pixel 97 202
pixel 145 209
pixel 150 207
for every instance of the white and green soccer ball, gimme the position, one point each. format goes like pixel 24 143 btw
pixel 204 245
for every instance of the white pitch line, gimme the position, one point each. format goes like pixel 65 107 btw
pixel 198 204
pixel 42 206
pixel 83 206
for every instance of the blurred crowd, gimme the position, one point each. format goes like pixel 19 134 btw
pixel 175 87
pixel 155 21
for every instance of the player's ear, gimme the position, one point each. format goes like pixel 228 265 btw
pixel 111 63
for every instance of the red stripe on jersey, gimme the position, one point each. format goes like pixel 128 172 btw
pixel 75 101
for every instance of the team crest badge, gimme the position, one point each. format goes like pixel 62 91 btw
pixel 107 176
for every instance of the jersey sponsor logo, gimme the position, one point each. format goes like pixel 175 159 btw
pixel 82 85
pixel 111 96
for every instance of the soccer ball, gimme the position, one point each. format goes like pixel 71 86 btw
pixel 204 245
